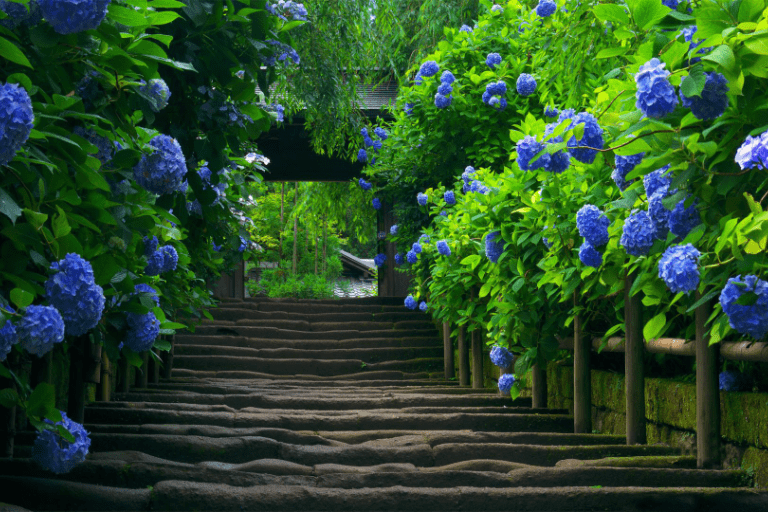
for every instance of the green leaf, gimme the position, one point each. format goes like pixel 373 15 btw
pixel 12 53
pixel 647 13
pixel 723 55
pixel 9 398
pixel 42 399
pixel 693 84
pixel 37 219
pixel 172 325
pixel 611 12
pixel 8 206
pixel 749 10
pixel 653 328
pixel 60 225
pixel 607 53
pixel 21 298
pixel 161 344
pixel 126 16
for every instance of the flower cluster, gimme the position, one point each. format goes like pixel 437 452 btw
pixel 284 9
pixel 682 220
pixel 165 259
pixel 525 85
pixel 659 213
pixel 734 381
pixel 423 306
pixel 450 197
pixel 505 382
pixel 443 248
pixel 657 180
pixel 551 111
pixel 399 258
pixel 362 154
pixel 106 147
pixel 424 239
pixel 713 99
pixel 546 8
pixel 8 335
pixel 466 28
pixel 364 184
pixel 376 202
pixel 502 357
pixel 429 68
pixel 411 257
pixel 746 319
pixel 624 165
pixel 161 172
pixel 494 95
pixel 752 153
pixel 156 92
pixel 40 329
pixel 589 255
pixel 73 291
pixel 379 259
pixel 143 329
pixel 145 288
pixel 679 268
pixel 150 245
pixel 71 16
pixel 494 246
pixel 638 235
pixel 672 4
pixel 592 225
pixel 586 148
pixel 19 15
pixel 282 53
pixel 655 95
pixel 16 120
pixel 416 247
pixel 410 302
pixel 528 147
pixel 422 198
pixel 443 98
pixel 393 229
pixel 493 60
pixel 56 454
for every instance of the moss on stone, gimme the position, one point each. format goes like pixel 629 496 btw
pixel 755 462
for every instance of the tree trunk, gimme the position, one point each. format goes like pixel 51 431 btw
pixel 295 227
pixel 280 236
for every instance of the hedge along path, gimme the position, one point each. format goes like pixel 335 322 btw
pixel 342 405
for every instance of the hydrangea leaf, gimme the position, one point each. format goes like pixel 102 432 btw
pixel 647 12
pixel 11 52
pixel 41 400
pixel 693 84
pixel 8 206
pixel 654 327
pixel 723 55
pixel 21 298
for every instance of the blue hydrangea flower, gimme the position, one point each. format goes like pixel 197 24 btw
pixel 106 147
pixel 54 453
pixel 157 93
pixel 16 119
pixel 672 4
pixel 447 77
pixel 399 258
pixel 364 184
pixel 145 288
pixel 734 381
pixel 546 8
pixel 752 319
pixel 73 291
pixel 424 239
pixel 380 133
pixel 445 89
pixel 150 245
pixel 493 60
pixel 377 145
pixel 376 202
pixel 393 229
pixel 443 213
pixel 506 382
pixel 449 197
pixel 8 335
pixel 416 247
pixel 443 101
pixel 280 113
pixel 411 257
pixel 682 220
pixel 527 148
pixel 525 85
pixel 380 258
pixel 40 329
pixel 170 258
pixel 551 111
pixel 688 33
pixel 679 268
pixel 592 225
pixel 592 138
pixel 368 141
pixel 502 357
pixel 443 248
pixel 429 68
pixel 410 302
pixel 423 306
pixel 71 16
pixel 589 255
pixel 362 156
pixel 468 174
pixel 498 103
pixel 624 165
pixel 558 161
pixel 408 108
pixel 753 152
pixel 655 95
pixel 657 180
pixel 659 213
pixel 466 28
pixel 143 330
pixel 497 8
pixel 422 198
pixel 496 88
pixel 155 264
pixel 19 15
pixel 494 246
pixel 713 100
pixel 161 172
pixel 638 235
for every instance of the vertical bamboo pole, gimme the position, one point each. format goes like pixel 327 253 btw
pixel 582 377
pixel 448 352
pixel 707 393
pixel 76 396
pixel 633 365
pixel 463 357
pixel 153 372
pixel 477 359
pixel 125 384
pixel 142 374
pixel 539 387
pixel 168 359
pixel 105 388
pixel 295 226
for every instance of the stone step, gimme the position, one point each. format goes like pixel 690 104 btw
pixel 367 355
pixel 340 334
pixel 177 495
pixel 394 340
pixel 380 301
pixel 234 314
pixel 343 420
pixel 299 366
pixel 634 462
pixel 387 378
pixel 307 307
pixel 311 327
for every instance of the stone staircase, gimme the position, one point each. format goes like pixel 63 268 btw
pixel 341 405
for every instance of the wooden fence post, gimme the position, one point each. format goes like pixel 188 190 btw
pixel 42 369
pixel 463 357
pixel 168 359
pixel 142 374
pixel 8 415
pixel 125 384
pixel 582 377
pixel 707 393
pixel 450 373
pixel 538 387
pixel 633 365
pixel 78 352
pixel 477 359
pixel 105 388
pixel 153 370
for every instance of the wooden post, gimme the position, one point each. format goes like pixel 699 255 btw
pixel 463 357
pixel 582 377
pixel 105 388
pixel 8 415
pixel 538 386
pixel 477 359
pixel 707 393
pixel 42 369
pixel 168 359
pixel 92 369
pixel 153 370
pixel 125 384
pixel 448 352
pixel 633 365
pixel 76 396
pixel 142 374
